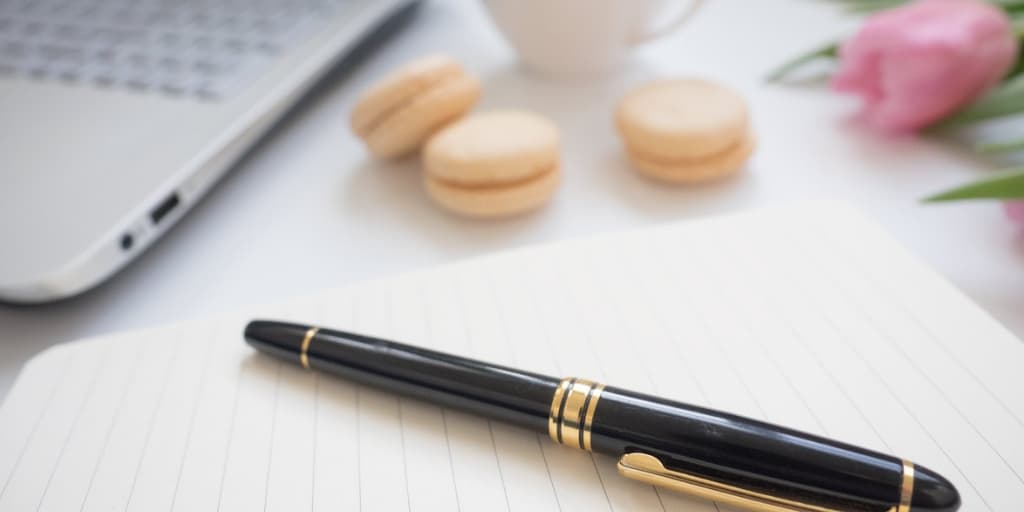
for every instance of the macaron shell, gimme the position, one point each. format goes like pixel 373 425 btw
pixel 696 171
pixel 398 88
pixel 500 200
pixel 686 118
pixel 493 147
pixel 405 130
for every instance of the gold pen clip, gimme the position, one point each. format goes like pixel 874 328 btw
pixel 650 470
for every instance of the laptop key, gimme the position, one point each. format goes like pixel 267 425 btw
pixel 205 49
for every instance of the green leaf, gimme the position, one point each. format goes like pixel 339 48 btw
pixel 1017 20
pixel 871 6
pixel 828 51
pixel 1008 184
pixel 1000 147
pixel 1008 4
pixel 867 6
pixel 1007 99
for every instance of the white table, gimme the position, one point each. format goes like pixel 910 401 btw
pixel 308 210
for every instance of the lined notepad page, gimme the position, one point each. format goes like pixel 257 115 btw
pixel 805 316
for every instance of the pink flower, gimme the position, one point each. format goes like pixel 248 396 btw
pixel 919 63
pixel 1015 211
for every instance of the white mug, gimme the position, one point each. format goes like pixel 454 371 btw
pixel 583 37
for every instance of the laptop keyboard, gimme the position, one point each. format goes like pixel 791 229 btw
pixel 187 48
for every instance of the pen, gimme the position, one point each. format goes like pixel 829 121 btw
pixel 711 454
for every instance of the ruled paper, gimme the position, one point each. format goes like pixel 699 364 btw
pixel 805 316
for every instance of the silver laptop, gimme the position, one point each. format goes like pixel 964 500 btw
pixel 117 115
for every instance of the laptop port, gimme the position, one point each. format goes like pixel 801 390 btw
pixel 165 207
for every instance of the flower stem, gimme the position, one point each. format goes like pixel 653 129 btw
pixel 1008 184
pixel 828 51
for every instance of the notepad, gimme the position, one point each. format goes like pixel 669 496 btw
pixel 805 316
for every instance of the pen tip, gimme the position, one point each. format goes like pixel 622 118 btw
pixel 932 492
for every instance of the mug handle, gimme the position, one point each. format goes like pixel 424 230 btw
pixel 654 32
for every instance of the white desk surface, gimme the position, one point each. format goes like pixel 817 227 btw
pixel 308 210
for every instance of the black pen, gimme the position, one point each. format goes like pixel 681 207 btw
pixel 698 451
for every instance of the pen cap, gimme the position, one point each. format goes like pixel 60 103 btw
pixel 731 458
pixel 279 339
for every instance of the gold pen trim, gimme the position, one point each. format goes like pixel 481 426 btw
pixel 555 415
pixel 588 421
pixel 907 489
pixel 304 350
pixel 572 412
pixel 571 425
pixel 648 469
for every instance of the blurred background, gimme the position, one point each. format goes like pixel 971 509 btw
pixel 307 208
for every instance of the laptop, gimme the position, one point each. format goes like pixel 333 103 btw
pixel 116 116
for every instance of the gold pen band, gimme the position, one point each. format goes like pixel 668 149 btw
pixel 304 350
pixel 907 488
pixel 572 412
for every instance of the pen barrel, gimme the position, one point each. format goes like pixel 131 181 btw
pixel 715 455
pixel 493 391
pixel 746 453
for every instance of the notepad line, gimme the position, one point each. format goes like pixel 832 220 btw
pixel 898 400
pixel 931 382
pixel 470 349
pixel 273 427
pixel 952 358
pixel 78 415
pixel 500 315
pixel 110 429
pixel 57 383
pixel 806 346
pixel 192 415
pixel 168 370
pixel 227 445
pixel 935 388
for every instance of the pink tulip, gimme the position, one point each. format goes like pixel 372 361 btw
pixel 1015 211
pixel 916 64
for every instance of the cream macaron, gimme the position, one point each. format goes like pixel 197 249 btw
pixel 395 116
pixel 493 164
pixel 685 130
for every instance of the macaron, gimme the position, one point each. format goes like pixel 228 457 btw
pixel 396 115
pixel 685 130
pixel 493 164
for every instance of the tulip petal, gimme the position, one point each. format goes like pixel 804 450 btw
pixel 917 64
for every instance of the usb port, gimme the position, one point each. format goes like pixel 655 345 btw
pixel 165 207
